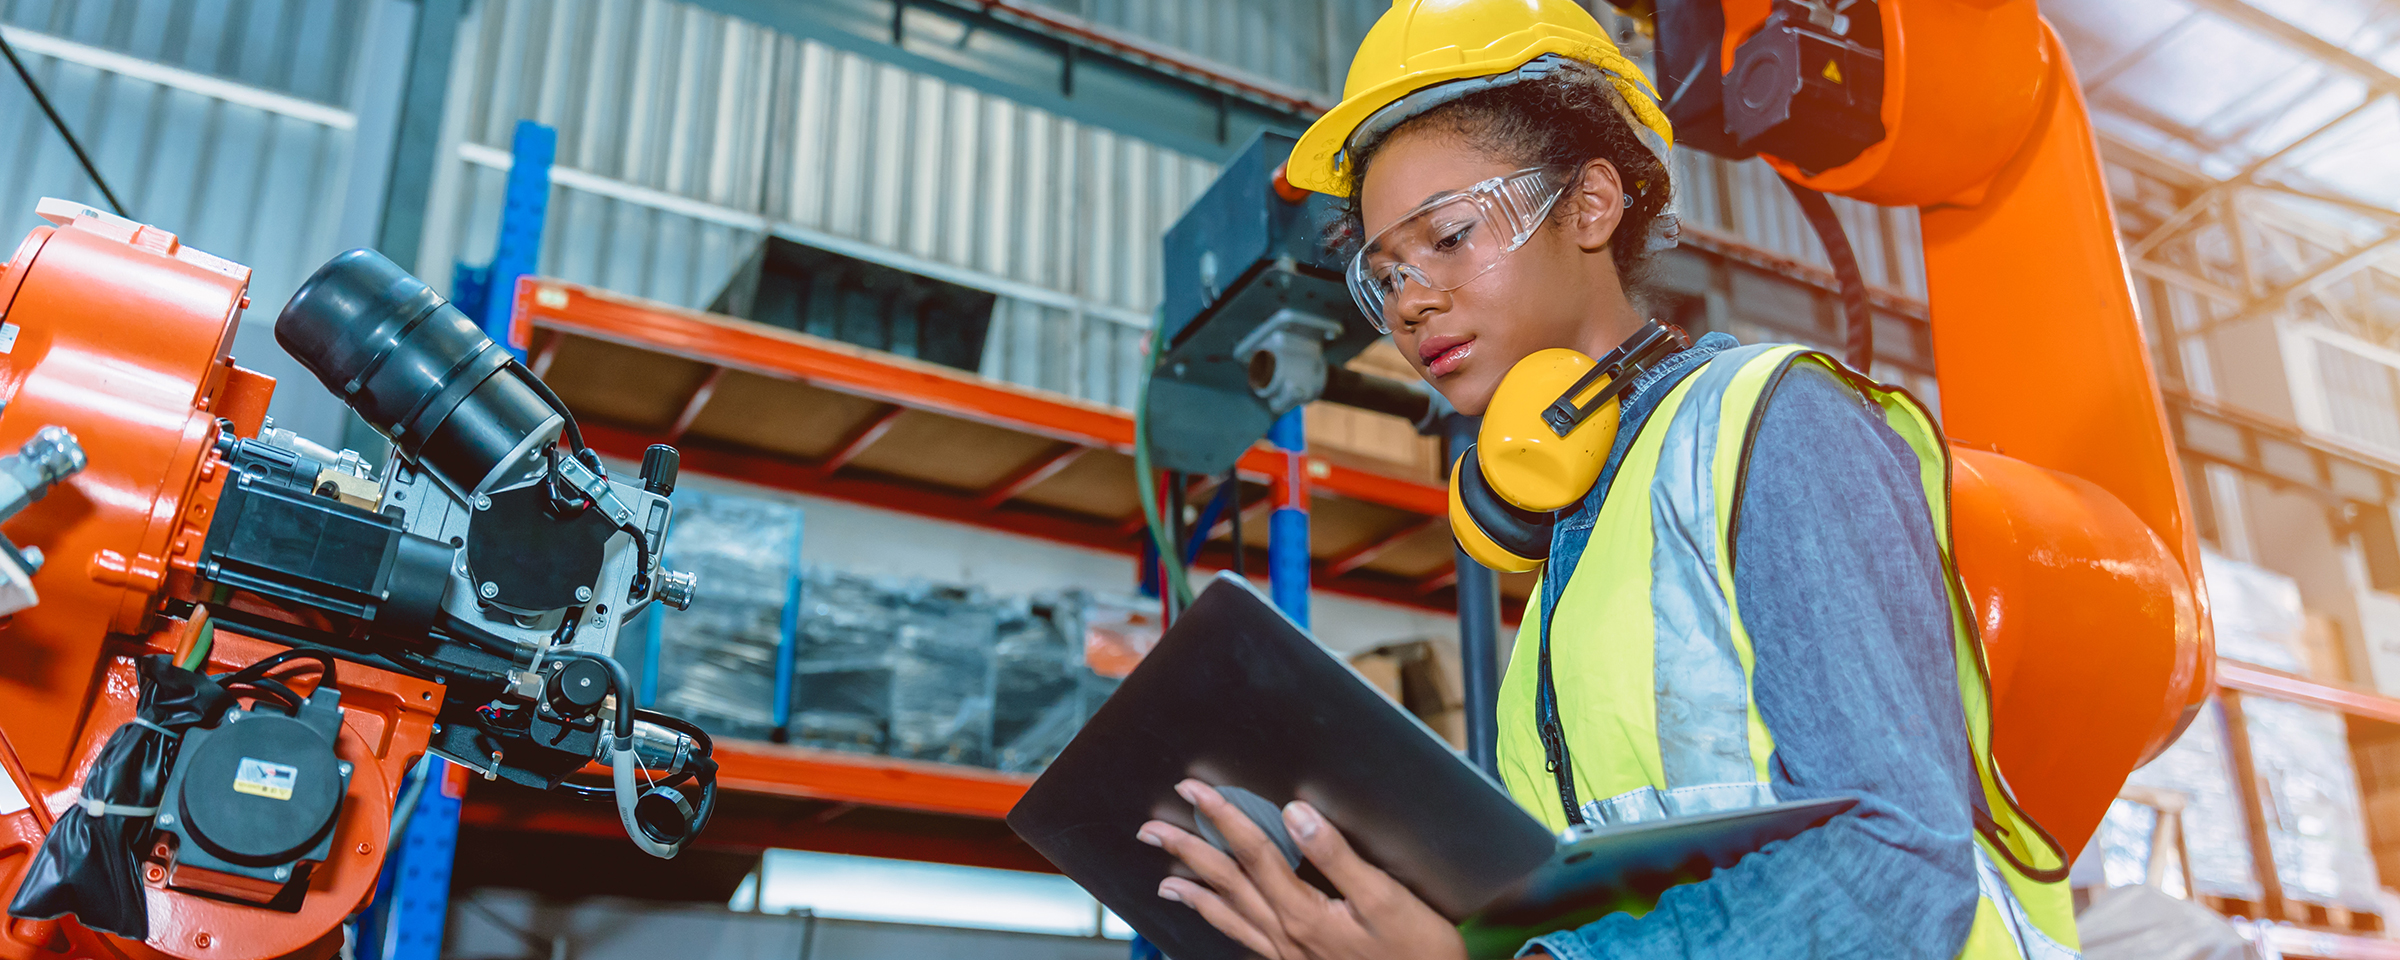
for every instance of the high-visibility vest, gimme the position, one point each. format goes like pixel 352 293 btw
pixel 1654 594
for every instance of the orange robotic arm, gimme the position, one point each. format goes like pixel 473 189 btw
pixel 478 582
pixel 2072 527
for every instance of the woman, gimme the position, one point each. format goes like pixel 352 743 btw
pixel 1754 604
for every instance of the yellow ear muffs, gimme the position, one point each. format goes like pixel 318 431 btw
pixel 1526 459
pixel 1545 437
pixel 1496 533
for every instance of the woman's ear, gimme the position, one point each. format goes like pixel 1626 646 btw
pixel 1599 205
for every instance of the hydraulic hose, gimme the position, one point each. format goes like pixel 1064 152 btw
pixel 623 773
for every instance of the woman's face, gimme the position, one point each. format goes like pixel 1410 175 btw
pixel 1558 290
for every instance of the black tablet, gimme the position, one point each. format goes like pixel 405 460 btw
pixel 1237 695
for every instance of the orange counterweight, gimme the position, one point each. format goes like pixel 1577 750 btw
pixel 2072 526
pixel 117 332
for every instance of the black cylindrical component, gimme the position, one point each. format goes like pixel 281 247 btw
pixel 660 463
pixel 577 688
pixel 1478 632
pixel 417 370
pixel 1367 391
pixel 420 574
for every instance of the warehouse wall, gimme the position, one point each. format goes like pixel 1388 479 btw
pixel 228 122
pixel 1302 44
pixel 686 136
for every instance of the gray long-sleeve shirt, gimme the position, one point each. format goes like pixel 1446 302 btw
pixel 1840 583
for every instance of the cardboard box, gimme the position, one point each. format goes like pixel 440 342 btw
pixel 1373 441
pixel 1452 725
pixel 1381 669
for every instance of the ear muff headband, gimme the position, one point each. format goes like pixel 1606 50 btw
pixel 1550 424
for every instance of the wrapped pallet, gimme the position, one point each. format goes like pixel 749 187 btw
pixel 2309 786
pixel 715 662
pixel 890 666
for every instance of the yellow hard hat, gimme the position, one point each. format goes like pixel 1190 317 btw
pixel 1422 44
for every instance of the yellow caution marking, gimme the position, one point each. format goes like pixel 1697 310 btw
pixel 1832 71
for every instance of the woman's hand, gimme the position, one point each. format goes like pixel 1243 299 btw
pixel 1255 898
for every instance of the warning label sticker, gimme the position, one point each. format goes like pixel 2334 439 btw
pixel 260 778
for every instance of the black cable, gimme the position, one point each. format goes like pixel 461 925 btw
pixel 621 683
pixel 305 638
pixel 1858 346
pixel 458 628
pixel 542 390
pixel 260 669
pixel 702 765
pixel 60 123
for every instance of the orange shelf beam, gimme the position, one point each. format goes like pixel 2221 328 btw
pixel 804 774
pixel 2265 682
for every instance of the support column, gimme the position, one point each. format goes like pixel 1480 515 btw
pixel 2247 785
pixel 1287 528
pixel 787 644
pixel 1478 628
pixel 413 905
pixel 525 205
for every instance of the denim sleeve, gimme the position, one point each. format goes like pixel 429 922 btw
pixel 1840 587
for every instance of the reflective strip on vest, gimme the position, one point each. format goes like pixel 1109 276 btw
pixel 1650 608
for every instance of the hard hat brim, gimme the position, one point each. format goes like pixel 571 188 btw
pixel 1317 162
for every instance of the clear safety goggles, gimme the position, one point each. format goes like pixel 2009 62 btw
pixel 1451 239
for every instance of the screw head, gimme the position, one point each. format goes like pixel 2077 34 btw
pixel 155 873
pixel 166 819
pixel 482 502
pixel 283 873
pixel 583 594
pixel 202 940
pixel 489 590
pixel 345 768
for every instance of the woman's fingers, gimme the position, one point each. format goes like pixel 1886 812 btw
pixel 1215 869
pixel 1222 916
pixel 1365 885
pixel 1261 859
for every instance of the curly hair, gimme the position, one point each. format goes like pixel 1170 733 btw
pixel 1564 120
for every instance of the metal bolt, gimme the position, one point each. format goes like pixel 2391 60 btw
pixel 583 594
pixel 202 940
pixel 33 558
pixel 156 873
pixel 482 502
pixel 283 873
pixel 365 848
pixel 345 768
pixel 166 819
pixel 489 590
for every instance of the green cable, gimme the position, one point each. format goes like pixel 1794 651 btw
pixel 1170 560
pixel 198 655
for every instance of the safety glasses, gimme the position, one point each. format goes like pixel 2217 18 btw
pixel 1451 239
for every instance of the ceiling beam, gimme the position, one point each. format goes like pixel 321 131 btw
pixel 2208 197
pixel 2304 41
pixel 2106 75
pixel 2334 272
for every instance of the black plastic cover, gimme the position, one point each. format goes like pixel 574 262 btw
pixel 414 367
pixel 91 866
pixel 1806 94
pixel 260 791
